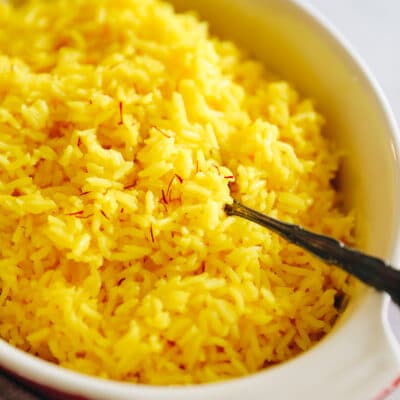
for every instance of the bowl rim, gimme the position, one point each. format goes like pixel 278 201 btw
pixel 38 371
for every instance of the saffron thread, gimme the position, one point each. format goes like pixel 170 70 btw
pixel 104 214
pixel 164 198
pixel 132 185
pixel 80 212
pixel 152 233
pixel 179 178
pixel 121 114
pixel 162 132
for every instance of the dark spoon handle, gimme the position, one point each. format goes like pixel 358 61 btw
pixel 370 270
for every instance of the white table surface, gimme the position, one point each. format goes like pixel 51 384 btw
pixel 373 28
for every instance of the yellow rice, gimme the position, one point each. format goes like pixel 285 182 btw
pixel 124 129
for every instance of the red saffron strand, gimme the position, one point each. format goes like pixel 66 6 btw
pixel 152 233
pixel 164 198
pixel 121 281
pixel 121 114
pixel 203 266
pixel 104 214
pixel 80 212
pixel 229 177
pixel 179 178
pixel 162 131
pixel 132 185
pixel 165 134
pixel 16 192
pixel 84 193
pixel 217 168
pixel 164 205
pixel 79 141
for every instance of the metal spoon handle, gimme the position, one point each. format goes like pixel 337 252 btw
pixel 370 270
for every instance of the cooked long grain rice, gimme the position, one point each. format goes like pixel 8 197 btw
pixel 122 126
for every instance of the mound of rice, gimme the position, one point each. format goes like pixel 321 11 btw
pixel 124 129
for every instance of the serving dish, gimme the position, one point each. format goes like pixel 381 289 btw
pixel 359 358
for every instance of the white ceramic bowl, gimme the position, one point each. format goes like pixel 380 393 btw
pixel 359 359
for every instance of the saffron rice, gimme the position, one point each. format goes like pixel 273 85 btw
pixel 124 129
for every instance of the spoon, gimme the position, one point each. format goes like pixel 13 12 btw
pixel 370 270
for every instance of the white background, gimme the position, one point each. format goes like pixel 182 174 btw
pixel 373 28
